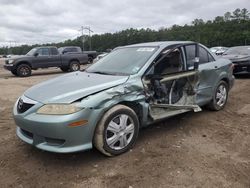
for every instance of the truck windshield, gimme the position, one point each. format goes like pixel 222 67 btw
pixel 123 61
pixel 31 52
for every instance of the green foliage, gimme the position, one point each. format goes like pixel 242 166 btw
pixel 232 29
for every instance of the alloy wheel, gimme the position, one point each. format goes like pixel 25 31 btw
pixel 221 95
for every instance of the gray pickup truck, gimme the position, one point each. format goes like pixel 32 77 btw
pixel 76 49
pixel 45 57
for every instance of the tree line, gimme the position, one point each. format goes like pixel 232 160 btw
pixel 231 29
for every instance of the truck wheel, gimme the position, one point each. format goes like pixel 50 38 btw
pixel 74 66
pixel 90 60
pixel 64 69
pixel 23 70
pixel 220 97
pixel 14 72
pixel 117 131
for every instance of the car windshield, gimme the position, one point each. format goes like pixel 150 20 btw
pixel 31 52
pixel 242 50
pixel 123 61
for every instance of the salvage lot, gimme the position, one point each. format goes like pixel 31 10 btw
pixel 206 149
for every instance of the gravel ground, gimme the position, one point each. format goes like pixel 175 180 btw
pixel 205 149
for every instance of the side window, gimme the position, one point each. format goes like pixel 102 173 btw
pixel 190 55
pixel 43 52
pixel 210 57
pixel 171 63
pixel 73 50
pixel 203 55
pixel 54 51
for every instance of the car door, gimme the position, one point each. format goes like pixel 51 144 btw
pixel 169 86
pixel 55 58
pixel 41 58
pixel 208 73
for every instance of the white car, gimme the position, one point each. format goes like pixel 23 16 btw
pixel 218 50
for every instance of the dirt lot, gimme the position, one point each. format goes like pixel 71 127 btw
pixel 205 149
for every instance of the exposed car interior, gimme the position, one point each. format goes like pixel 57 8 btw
pixel 168 84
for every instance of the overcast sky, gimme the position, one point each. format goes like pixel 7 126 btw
pixel 31 21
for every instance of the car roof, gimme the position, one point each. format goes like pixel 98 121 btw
pixel 159 43
pixel 242 47
pixel 46 47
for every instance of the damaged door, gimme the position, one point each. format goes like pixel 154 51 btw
pixel 170 85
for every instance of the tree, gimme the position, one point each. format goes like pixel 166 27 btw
pixel 223 30
pixel 244 14
pixel 236 14
pixel 218 19
pixel 198 22
pixel 227 16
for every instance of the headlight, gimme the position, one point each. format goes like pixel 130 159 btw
pixel 58 109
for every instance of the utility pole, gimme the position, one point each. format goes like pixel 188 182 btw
pixel 89 32
pixel 82 38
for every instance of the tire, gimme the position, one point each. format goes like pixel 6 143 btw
pixel 14 72
pixel 74 66
pixel 65 69
pixel 110 126
pixel 90 60
pixel 220 97
pixel 23 70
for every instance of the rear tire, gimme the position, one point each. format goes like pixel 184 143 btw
pixel 117 131
pixel 220 97
pixel 74 66
pixel 23 70
pixel 90 60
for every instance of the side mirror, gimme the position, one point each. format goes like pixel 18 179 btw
pixel 196 63
pixel 36 54
pixel 64 52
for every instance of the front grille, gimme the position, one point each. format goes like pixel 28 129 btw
pixel 22 106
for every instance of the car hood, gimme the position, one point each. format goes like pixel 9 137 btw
pixel 18 57
pixel 236 58
pixel 73 86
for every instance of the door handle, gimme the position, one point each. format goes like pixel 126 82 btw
pixel 216 67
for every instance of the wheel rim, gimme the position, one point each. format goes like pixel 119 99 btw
pixel 24 71
pixel 75 67
pixel 120 132
pixel 221 95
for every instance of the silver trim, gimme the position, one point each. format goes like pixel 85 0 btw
pixel 27 100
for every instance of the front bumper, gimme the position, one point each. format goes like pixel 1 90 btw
pixel 8 67
pixel 52 133
pixel 241 67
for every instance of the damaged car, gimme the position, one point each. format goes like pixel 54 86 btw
pixel 134 86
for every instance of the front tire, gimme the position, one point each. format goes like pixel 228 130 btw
pixel 220 97
pixel 117 131
pixel 74 66
pixel 23 70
